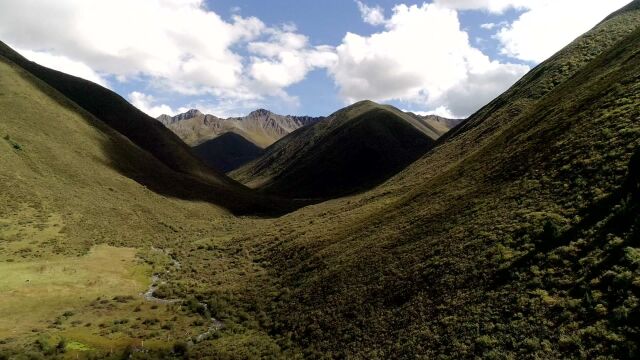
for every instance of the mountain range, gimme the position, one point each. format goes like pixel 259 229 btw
pixel 261 127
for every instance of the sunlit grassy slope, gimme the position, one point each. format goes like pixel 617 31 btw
pixel 62 200
pixel 354 149
pixel 32 291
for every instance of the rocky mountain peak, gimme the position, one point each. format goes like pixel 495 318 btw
pixel 259 112
pixel 188 115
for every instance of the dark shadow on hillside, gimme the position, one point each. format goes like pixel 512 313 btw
pixel 227 152
pixel 160 161
pixel 328 162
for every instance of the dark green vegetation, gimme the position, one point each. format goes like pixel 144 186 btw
pixel 227 152
pixel 353 149
pixel 517 236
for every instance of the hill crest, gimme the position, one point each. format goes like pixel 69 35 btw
pixel 351 150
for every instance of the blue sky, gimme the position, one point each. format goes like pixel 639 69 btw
pixel 227 57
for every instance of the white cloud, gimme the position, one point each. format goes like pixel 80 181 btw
pixel 546 27
pixel 419 56
pixel 64 64
pixel 440 111
pixel 438 72
pixel 286 58
pixel 147 104
pixel 479 88
pixel 178 45
pixel 371 15
pixel 176 40
pixel 494 6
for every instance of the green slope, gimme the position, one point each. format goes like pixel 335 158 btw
pixel 354 149
pixel 200 181
pixel 515 238
pixel 227 152
pixel 76 226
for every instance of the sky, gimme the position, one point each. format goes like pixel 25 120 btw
pixel 302 57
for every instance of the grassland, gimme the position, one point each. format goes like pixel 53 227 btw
pixel 40 287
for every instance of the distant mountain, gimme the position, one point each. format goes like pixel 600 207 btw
pixel 261 127
pixel 227 152
pixel 353 149
pixel 441 125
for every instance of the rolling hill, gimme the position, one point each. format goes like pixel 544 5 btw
pixel 192 178
pixel 353 149
pixel 227 151
pixel 261 127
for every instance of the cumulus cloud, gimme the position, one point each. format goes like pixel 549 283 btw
pixel 177 40
pixel 419 55
pixel 373 15
pixel 148 104
pixel 479 88
pixel 178 45
pixel 545 27
pixel 442 71
pixel 64 64
pixel 286 58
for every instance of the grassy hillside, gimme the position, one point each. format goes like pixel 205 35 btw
pixel 195 181
pixel 63 199
pixel 438 124
pixel 116 112
pixel 353 149
pixel 227 152
pixel 517 237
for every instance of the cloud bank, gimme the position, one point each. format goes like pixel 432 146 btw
pixel 420 55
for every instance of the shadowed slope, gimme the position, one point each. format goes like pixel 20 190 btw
pixel 353 149
pixel 227 152
pixel 200 181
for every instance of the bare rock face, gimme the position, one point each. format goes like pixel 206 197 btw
pixel 261 127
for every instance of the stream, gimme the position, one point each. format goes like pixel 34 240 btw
pixel 156 282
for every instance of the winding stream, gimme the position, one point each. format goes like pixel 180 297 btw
pixel 156 282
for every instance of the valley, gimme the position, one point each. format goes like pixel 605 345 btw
pixel 372 233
